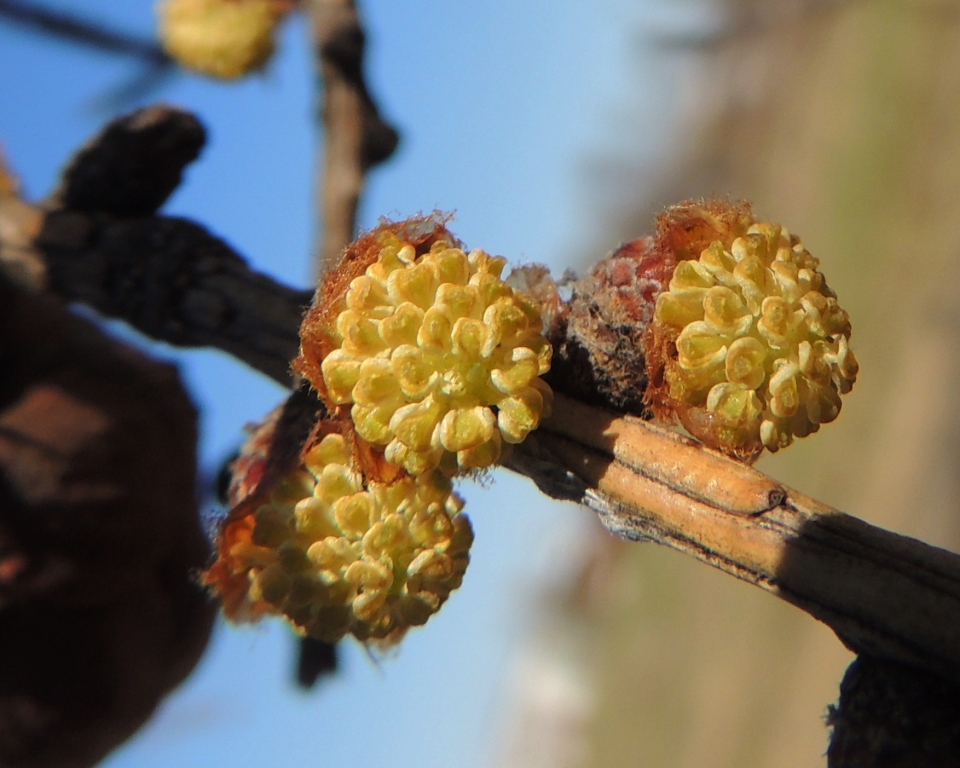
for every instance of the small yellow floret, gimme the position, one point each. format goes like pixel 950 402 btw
pixel 761 342
pixel 221 38
pixel 336 557
pixel 439 356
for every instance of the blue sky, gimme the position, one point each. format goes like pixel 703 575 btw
pixel 501 106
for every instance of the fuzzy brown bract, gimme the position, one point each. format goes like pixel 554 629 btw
pixel 683 232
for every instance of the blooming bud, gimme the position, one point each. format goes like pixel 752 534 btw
pixel 752 347
pixel 337 556
pixel 436 355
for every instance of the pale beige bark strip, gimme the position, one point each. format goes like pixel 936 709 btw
pixel 678 461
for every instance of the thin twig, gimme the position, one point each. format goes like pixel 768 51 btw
pixel 81 31
pixel 356 136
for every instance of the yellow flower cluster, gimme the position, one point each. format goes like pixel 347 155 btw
pixel 336 557
pixel 440 357
pixel 220 38
pixel 761 342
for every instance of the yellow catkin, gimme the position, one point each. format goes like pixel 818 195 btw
pixel 439 356
pixel 221 38
pixel 337 556
pixel 761 342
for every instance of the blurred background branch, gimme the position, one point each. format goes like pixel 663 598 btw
pixel 79 30
pixel 356 136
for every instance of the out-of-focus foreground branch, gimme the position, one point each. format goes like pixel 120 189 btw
pixel 885 595
pixel 100 615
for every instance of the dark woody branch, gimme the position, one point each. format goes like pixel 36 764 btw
pixel 173 281
pixel 885 595
pixel 95 242
pixel 133 165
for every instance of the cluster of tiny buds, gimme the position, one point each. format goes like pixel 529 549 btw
pixel 429 362
pixel 761 343
pixel 225 39
pixel 338 555
pixel 440 358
